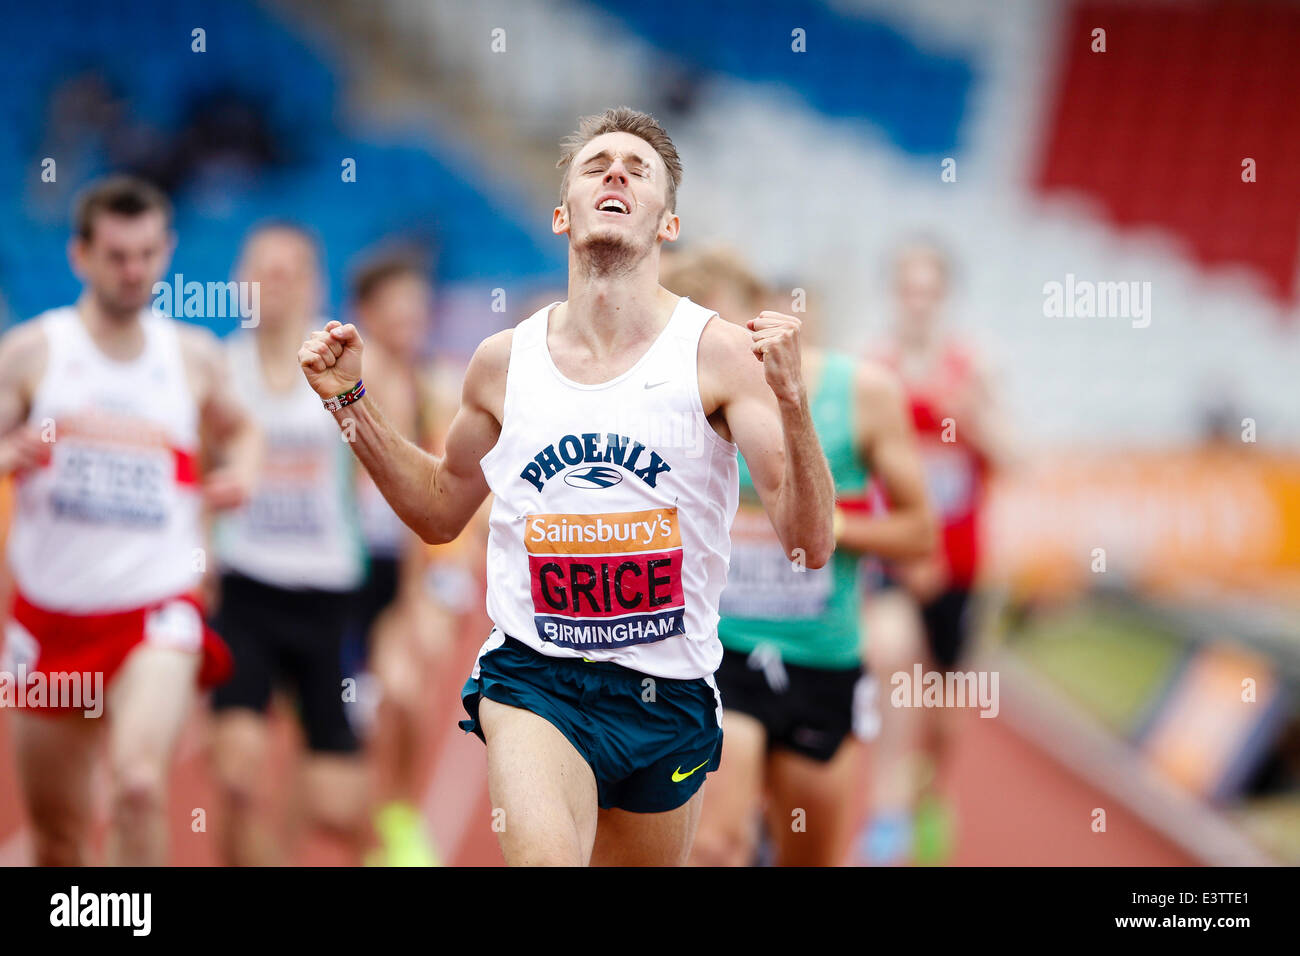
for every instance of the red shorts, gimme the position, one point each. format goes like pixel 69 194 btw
pixel 50 642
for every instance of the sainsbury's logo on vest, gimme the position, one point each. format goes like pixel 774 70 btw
pixel 593 451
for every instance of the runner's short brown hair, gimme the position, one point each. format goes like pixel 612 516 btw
pixel 120 195
pixel 375 273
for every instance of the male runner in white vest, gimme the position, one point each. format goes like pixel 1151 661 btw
pixel 102 405
pixel 606 426
pixel 290 560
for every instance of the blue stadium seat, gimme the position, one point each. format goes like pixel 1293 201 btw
pixel 403 185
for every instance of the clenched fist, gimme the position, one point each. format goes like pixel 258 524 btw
pixel 331 359
pixel 776 345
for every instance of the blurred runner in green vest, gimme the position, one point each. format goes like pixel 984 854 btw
pixel 791 663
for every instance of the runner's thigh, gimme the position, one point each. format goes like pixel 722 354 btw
pixel 150 699
pixel 647 839
pixel 729 817
pixel 56 760
pixel 545 788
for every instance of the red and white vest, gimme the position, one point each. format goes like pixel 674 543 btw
pixel 112 522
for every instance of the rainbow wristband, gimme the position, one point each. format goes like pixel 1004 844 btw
pixel 347 398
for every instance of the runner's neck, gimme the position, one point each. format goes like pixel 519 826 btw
pixel 277 353
pixel 610 321
pixel 117 337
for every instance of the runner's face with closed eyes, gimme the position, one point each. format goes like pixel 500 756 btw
pixel 615 204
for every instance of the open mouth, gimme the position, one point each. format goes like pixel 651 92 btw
pixel 612 204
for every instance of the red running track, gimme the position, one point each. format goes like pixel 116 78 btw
pixel 1015 804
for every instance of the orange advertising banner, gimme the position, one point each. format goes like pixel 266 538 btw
pixel 1156 521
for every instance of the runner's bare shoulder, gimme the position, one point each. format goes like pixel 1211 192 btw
pixel 24 350
pixel 724 359
pixel 204 360
pixel 877 384
pixel 485 379
pixel 198 343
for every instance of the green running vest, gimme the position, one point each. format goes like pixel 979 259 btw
pixel 811 616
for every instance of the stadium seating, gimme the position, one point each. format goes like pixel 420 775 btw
pixel 1161 140
pixel 149 68
pixel 1077 189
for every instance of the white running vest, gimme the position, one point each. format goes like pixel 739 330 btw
pixel 383 532
pixel 609 533
pixel 299 528
pixel 386 536
pixel 112 523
